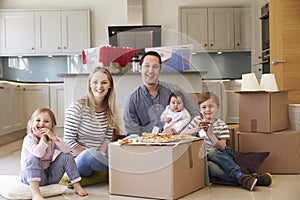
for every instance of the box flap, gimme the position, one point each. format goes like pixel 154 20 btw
pixel 261 91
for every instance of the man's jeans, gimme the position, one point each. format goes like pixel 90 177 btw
pixel 90 161
pixel 221 164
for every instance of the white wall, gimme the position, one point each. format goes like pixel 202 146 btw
pixel 114 12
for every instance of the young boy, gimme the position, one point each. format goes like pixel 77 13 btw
pixel 220 157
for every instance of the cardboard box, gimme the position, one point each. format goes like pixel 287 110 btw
pixel 284 148
pixel 163 172
pixel 262 111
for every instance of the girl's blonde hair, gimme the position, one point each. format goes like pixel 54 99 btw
pixel 36 113
pixel 109 100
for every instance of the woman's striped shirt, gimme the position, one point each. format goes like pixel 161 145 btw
pixel 82 128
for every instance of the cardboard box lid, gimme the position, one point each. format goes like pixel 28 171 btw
pixel 261 91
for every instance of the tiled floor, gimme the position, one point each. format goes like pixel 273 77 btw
pixel 283 187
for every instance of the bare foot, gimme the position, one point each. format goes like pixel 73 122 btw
pixel 79 190
pixel 35 190
pixel 36 196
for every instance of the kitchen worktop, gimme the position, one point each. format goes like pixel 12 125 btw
pixel 133 73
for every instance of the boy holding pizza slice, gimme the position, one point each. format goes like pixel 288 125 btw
pixel 220 157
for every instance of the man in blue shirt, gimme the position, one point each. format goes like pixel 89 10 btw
pixel 145 105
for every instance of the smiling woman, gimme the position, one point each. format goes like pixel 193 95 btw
pixel 90 123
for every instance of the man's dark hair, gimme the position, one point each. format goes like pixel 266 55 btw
pixel 151 53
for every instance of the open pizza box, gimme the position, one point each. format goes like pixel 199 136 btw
pixel 163 171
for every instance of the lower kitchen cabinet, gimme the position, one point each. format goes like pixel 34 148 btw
pixel 57 103
pixel 18 101
pixel 11 105
pixel 35 96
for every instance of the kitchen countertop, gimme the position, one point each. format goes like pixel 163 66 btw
pixel 131 73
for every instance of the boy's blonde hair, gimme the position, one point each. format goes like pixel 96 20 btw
pixel 36 113
pixel 202 97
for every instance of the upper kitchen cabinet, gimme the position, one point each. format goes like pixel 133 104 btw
pixel 215 29
pixel 242 28
pixel 16 32
pixel 220 28
pixel 47 32
pixel 62 32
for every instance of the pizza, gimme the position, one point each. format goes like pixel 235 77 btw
pixel 162 138
pixel 155 138
pixel 204 122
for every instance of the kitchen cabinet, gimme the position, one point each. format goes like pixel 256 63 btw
pixel 220 28
pixel 16 32
pixel 215 29
pixel 34 96
pixel 18 101
pixel 242 28
pixel 11 104
pixel 62 32
pixel 44 32
pixel 284 46
pixel 57 103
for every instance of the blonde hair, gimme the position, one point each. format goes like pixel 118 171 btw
pixel 109 100
pixel 36 113
pixel 202 97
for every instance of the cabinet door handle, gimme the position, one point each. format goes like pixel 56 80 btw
pixel 58 47
pixel 238 44
pixel 211 45
pixel 65 47
pixel 275 62
pixel 1 87
pixel 32 48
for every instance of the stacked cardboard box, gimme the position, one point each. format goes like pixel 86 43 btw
pixel 156 171
pixel 263 127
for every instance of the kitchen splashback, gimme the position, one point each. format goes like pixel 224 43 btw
pixel 229 65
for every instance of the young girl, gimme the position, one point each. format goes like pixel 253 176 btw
pixel 220 157
pixel 175 117
pixel 37 165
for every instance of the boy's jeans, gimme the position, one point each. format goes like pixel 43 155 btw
pixel 221 164
pixel 89 161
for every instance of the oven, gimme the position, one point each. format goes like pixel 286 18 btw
pixel 265 39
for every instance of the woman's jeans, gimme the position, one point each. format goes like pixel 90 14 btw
pixel 90 161
pixel 221 164
pixel 64 162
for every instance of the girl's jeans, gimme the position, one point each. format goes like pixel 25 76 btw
pixel 90 161
pixel 221 164
pixel 64 162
